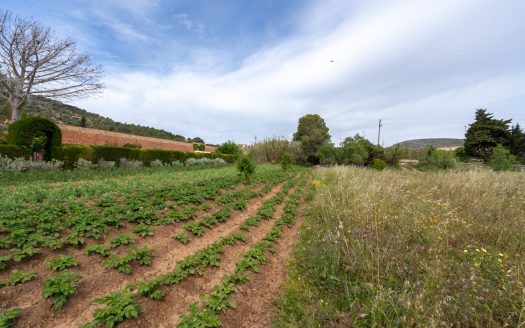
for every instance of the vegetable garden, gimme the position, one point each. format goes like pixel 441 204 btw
pixel 167 248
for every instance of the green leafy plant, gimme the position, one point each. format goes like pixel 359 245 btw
pixel 123 239
pixel 6 317
pixel 4 259
pixel 195 228
pixel 199 318
pixel 119 263
pixel 60 287
pixel 97 249
pixel 118 307
pixel 182 237
pixel 142 230
pixel 62 263
pixel 141 254
pixel 17 277
pixel 149 288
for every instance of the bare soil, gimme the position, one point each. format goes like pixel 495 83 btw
pixel 254 299
pixel 97 280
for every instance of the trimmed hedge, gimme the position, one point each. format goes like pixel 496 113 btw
pixel 69 154
pixel 199 146
pixel 22 133
pixel 14 151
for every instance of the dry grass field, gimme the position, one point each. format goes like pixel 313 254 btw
pixel 408 248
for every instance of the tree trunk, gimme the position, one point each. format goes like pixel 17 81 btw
pixel 16 108
pixel 16 114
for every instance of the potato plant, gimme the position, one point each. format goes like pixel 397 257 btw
pixel 60 288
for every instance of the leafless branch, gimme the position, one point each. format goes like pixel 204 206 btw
pixel 33 61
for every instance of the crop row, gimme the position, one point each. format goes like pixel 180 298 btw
pixel 218 301
pixel 122 263
pixel 41 226
pixel 123 305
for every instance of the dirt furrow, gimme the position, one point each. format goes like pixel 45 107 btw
pixel 166 313
pixel 97 282
pixel 254 299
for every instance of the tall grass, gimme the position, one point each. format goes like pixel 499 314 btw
pixel 405 248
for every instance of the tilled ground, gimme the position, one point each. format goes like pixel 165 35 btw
pixel 253 299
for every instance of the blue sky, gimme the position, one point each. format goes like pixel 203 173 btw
pixel 235 69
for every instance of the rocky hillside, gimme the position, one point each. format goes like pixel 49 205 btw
pixel 436 142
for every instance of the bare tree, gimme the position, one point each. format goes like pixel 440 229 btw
pixel 33 61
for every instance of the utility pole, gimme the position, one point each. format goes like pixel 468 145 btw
pixel 379 132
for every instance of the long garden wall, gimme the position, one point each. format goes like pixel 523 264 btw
pixel 86 136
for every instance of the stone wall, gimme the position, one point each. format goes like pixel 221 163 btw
pixel 86 136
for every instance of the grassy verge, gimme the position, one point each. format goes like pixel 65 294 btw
pixel 409 249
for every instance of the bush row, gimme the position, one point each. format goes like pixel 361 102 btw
pixel 70 154
pixel 14 151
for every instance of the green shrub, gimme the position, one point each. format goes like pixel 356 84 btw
pixel 24 131
pixel 286 161
pixel 149 155
pixel 246 166
pixel 434 159
pixel 199 146
pixel 461 154
pixel 230 148
pixel 13 151
pixel 21 165
pixel 70 154
pixel 502 160
pixel 125 163
pixel 84 164
pixel 378 164
pixel 112 153
pixel 394 154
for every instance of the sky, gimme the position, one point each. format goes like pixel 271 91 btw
pixel 240 70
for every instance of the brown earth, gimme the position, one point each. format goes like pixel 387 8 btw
pixel 178 298
pixel 97 281
pixel 254 299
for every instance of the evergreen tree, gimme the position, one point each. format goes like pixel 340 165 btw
pixel 312 133
pixel 517 142
pixel 486 133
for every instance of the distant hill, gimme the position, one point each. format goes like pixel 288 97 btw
pixel 436 142
pixel 66 114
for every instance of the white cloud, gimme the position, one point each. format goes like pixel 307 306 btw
pixel 380 68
